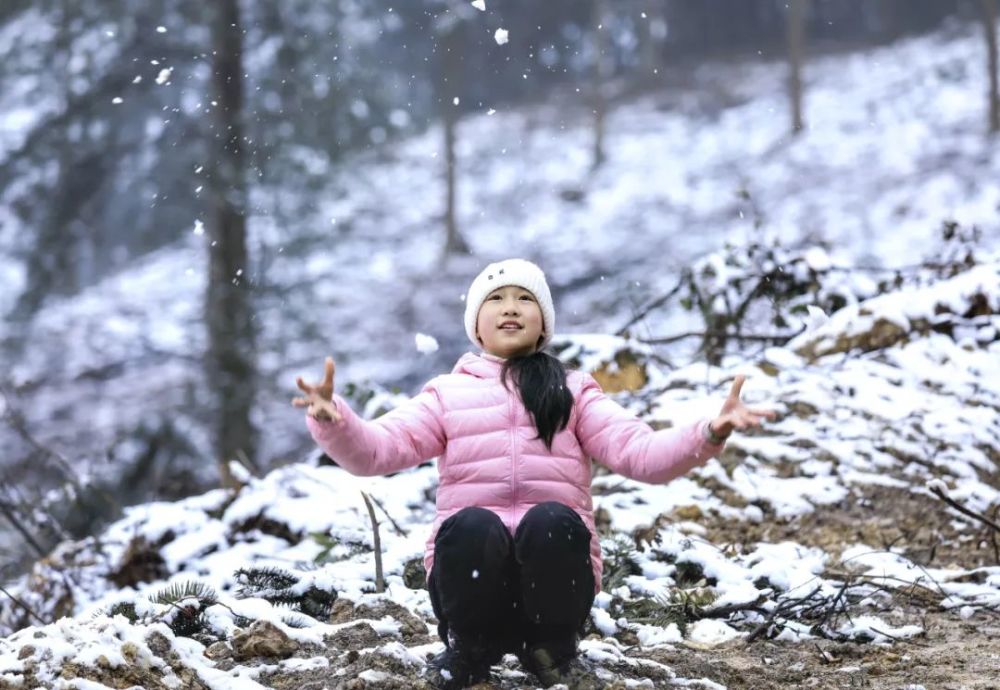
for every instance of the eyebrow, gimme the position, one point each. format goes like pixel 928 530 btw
pixel 516 287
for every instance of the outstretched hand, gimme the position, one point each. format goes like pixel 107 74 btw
pixel 319 397
pixel 735 415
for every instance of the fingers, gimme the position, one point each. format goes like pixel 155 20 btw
pixel 743 419
pixel 331 411
pixel 322 409
pixel 746 419
pixel 317 407
pixel 734 392
pixel 305 387
pixel 329 370
pixel 770 414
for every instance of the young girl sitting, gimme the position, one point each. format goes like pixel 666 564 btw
pixel 513 559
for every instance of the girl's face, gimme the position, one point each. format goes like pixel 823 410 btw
pixel 509 322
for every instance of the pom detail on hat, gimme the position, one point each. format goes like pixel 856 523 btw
pixel 518 272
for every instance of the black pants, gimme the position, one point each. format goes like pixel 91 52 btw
pixel 533 588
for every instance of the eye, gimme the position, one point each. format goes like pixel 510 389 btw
pixel 493 297
pixel 528 297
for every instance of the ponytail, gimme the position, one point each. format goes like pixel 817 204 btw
pixel 541 380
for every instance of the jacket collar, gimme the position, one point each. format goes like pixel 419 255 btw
pixel 482 365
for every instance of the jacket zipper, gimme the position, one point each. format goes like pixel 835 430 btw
pixel 513 468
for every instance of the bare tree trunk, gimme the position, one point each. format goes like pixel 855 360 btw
pixel 796 41
pixel 890 16
pixel 231 349
pixel 454 242
pixel 451 71
pixel 990 34
pixel 601 74
pixel 50 263
pixel 652 29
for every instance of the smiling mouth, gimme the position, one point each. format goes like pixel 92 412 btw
pixel 510 327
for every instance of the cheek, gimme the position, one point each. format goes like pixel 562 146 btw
pixel 483 320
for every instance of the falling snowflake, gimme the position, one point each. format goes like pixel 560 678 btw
pixel 479 5
pixel 426 344
pixel 164 76
pixel 500 36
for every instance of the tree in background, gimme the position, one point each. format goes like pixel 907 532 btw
pixel 652 31
pixel 451 29
pixel 602 70
pixel 989 16
pixel 230 361
pixel 796 42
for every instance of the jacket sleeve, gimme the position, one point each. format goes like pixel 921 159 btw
pixel 403 437
pixel 630 447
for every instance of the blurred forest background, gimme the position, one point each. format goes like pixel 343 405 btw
pixel 127 127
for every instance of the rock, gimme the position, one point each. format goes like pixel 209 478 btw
pixel 263 639
pixel 141 562
pixel 414 574
pixel 218 650
pixel 688 512
pixel 627 373
pixel 130 652
pixel 409 624
pixel 158 644
pixel 342 611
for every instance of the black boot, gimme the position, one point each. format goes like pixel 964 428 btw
pixel 557 662
pixel 466 661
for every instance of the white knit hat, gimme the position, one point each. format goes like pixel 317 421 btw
pixel 517 272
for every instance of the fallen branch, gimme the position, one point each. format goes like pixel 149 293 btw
pixel 379 580
pixel 780 608
pixel 650 307
pixel 723 611
pixel 664 340
pixel 939 492
pixel 11 514
pixel 399 530
pixel 23 606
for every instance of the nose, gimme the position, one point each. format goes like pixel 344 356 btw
pixel 510 307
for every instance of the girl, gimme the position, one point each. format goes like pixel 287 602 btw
pixel 513 559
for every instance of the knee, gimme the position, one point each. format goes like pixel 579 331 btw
pixel 552 514
pixel 474 522
pixel 549 512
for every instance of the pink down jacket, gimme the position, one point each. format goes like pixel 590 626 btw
pixel 489 454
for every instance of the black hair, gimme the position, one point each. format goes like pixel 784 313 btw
pixel 541 380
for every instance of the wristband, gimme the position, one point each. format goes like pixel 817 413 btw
pixel 712 437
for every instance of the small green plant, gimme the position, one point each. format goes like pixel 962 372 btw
pixel 279 587
pixel 329 543
pixel 680 607
pixel 185 614
pixel 621 559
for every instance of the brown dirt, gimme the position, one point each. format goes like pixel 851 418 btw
pixel 879 516
pixel 952 655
